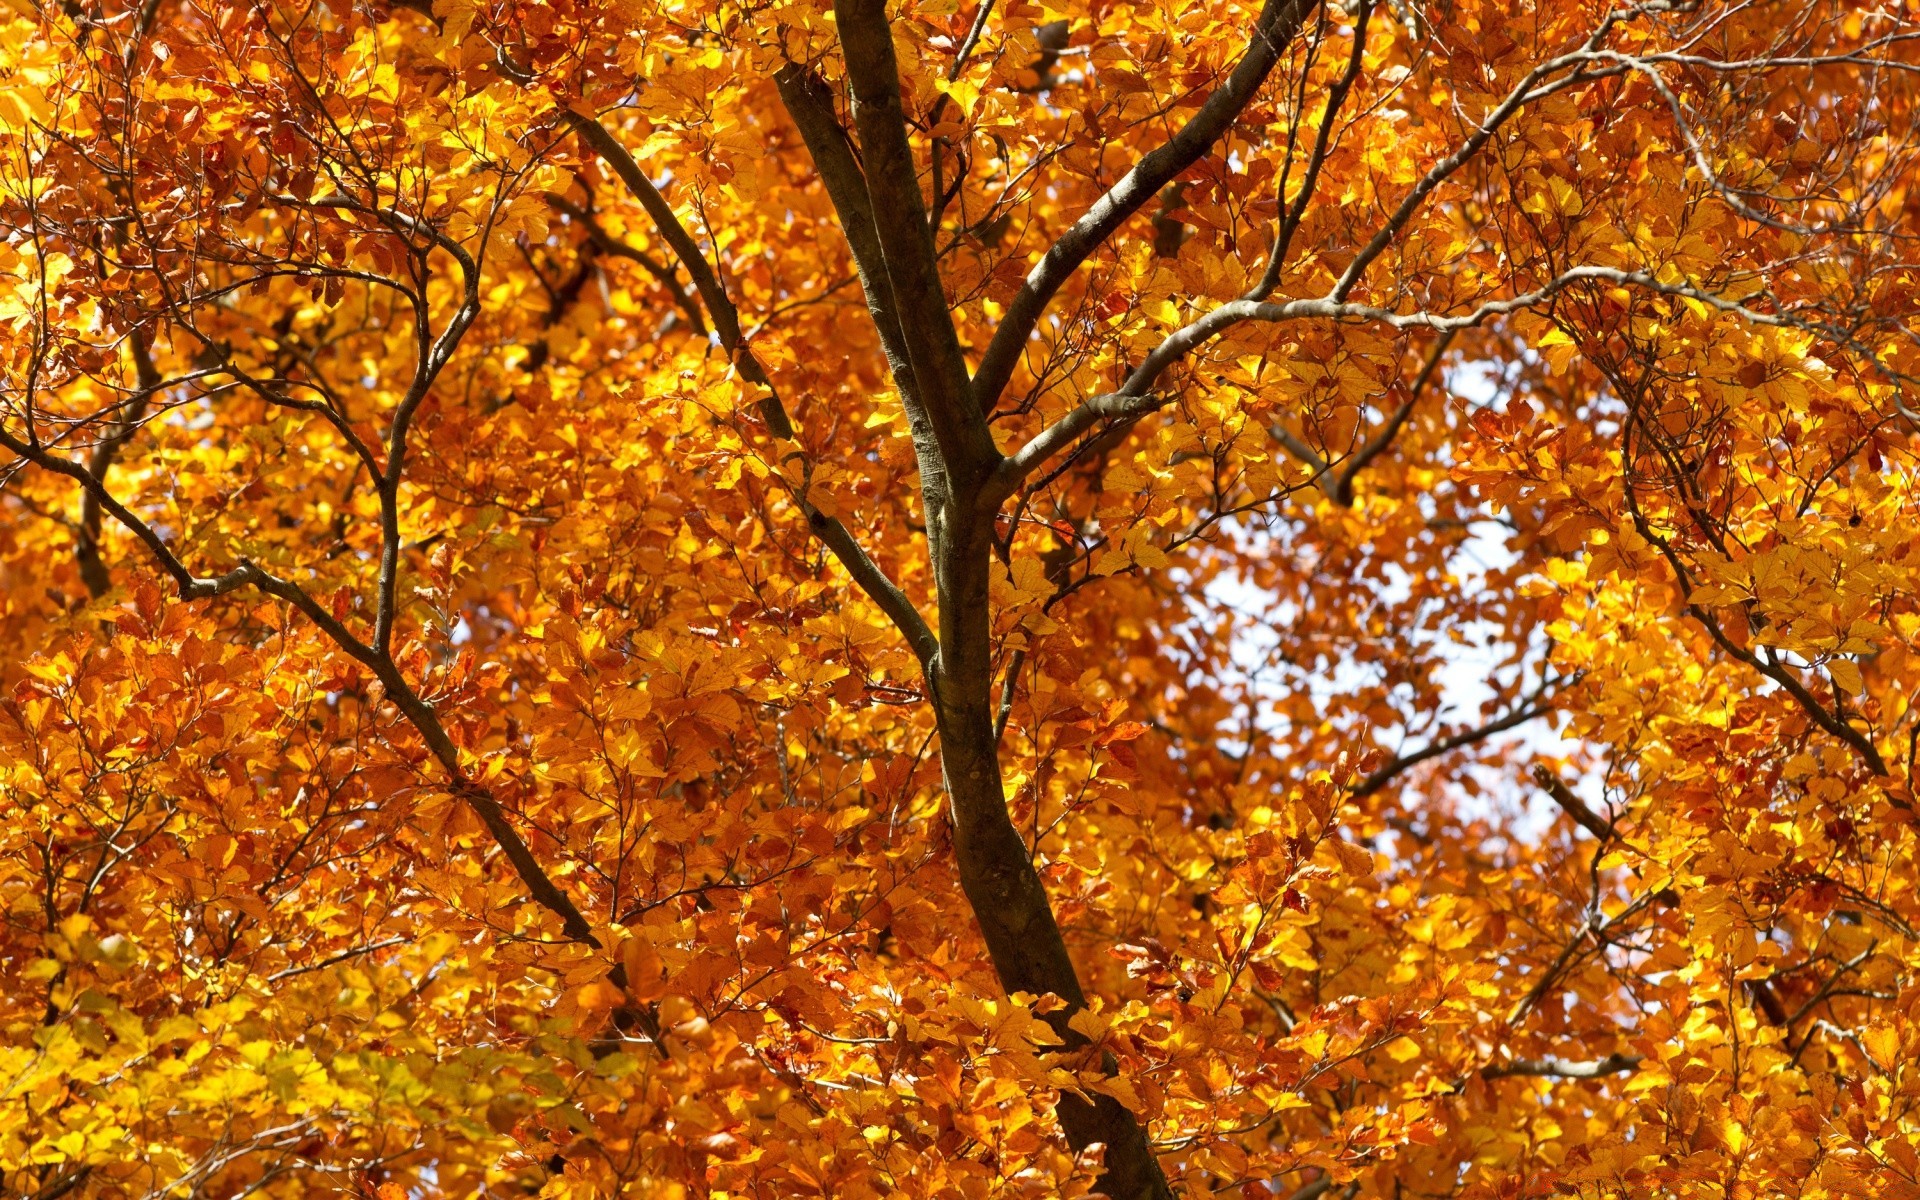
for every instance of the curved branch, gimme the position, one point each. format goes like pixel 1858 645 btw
pixel 1343 488
pixel 1278 23
pixel 726 321
pixel 609 244
pixel 1014 468
pixel 417 711
pixel 720 307
pixel 1378 779
pixel 93 568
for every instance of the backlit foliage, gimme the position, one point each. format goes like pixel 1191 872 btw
pixel 583 586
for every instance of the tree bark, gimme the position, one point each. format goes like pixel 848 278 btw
pixel 995 864
pixel 875 189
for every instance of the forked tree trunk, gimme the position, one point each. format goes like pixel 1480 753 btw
pixel 876 193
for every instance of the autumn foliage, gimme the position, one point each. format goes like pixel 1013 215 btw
pixel 832 598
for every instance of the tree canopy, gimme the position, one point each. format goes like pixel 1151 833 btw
pixel 994 599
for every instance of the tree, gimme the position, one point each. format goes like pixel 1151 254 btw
pixel 807 599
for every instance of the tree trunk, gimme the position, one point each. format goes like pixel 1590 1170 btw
pixel 996 869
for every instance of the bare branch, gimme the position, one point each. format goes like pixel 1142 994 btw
pixel 1386 773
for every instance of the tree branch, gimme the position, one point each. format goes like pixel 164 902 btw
pixel 1338 484
pixel 1343 488
pixel 619 249
pixel 906 243
pixel 875 583
pixel 333 960
pixel 1014 469
pixel 810 103
pixel 1386 773
pixel 420 714
pixel 726 320
pixel 1562 1068
pixel 1276 26
pixel 147 379
pixel 720 308
pixel 1576 808
pixel 1316 159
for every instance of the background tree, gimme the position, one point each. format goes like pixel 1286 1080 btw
pixel 791 599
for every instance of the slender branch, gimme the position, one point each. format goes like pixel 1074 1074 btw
pixel 972 39
pixel 418 712
pixel 1826 989
pixel 147 379
pixel 1388 772
pixel 1343 489
pixel 433 352
pixel 1305 453
pixel 1525 91
pixel 875 583
pixel 1833 723
pixel 1278 23
pixel 62 1183
pixel 1587 64
pixel 1205 328
pixel 1314 1190
pixel 1007 687
pixel 1562 1068
pixel 726 321
pixel 619 249
pixel 1576 808
pixel 1559 74
pixel 1316 159
pixel 720 307
pixel 332 960
pixel 1014 468
pixel 1601 933
pixel 958 65
pixel 1338 484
